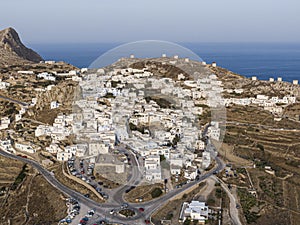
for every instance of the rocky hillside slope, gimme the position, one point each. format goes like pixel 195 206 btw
pixel 13 51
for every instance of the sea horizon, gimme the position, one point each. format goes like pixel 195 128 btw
pixel 264 60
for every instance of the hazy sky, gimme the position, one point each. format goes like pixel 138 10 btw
pixel 78 21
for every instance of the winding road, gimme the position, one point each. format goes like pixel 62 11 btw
pixel 103 209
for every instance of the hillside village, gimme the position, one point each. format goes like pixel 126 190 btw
pixel 161 118
pixel 154 116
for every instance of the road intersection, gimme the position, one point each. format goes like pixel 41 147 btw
pixel 103 209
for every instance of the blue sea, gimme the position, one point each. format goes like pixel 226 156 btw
pixel 261 59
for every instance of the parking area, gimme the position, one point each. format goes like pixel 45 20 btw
pixel 74 211
pixel 84 170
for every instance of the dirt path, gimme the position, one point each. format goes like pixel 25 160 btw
pixel 234 213
pixel 27 216
pixel 204 192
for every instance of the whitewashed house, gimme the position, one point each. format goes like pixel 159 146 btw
pixel 53 148
pixel 4 85
pixel 206 160
pixel 190 173
pixel 24 148
pixel 18 117
pixel 46 76
pixel 54 105
pixel 6 146
pixel 97 148
pixel 63 156
pixel 200 145
pixel 195 211
pixel 42 130
pixel 153 175
pixel 5 122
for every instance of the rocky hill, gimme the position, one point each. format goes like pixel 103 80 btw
pixel 13 51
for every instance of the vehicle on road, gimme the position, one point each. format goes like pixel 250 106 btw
pixel 104 195
pixel 124 206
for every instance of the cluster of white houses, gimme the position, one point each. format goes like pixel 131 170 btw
pixel 46 76
pixel 116 104
pixel 274 104
pixel 10 147
pixel 156 117
pixel 52 76
pixel 279 79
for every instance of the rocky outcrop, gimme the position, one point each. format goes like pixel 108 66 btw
pixel 12 50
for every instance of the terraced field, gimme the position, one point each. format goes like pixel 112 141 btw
pixel 254 136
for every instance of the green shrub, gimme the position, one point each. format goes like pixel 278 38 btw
pixel 156 193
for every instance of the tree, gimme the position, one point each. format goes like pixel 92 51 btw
pixel 162 158
pixel 156 193
pixel 187 222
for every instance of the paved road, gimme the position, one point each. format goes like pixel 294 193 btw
pixel 153 205
pixel 134 179
pixel 104 208
pixel 14 101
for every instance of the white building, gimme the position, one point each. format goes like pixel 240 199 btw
pixel 18 117
pixel 175 170
pixel 195 211
pixel 153 175
pixel 42 130
pixel 214 131
pixel 63 156
pixel 5 121
pixel 53 148
pixel 206 160
pixel 46 76
pixel 200 144
pixel 26 72
pixel 24 148
pixel 6 146
pixel 151 164
pixel 97 148
pixel 54 105
pixel 4 85
pixel 50 62
pixel 190 173
pixel 22 111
